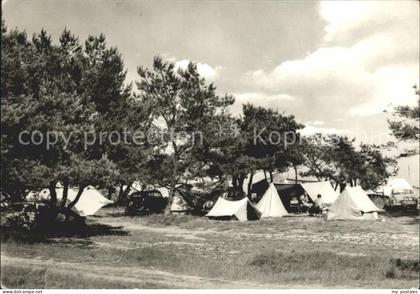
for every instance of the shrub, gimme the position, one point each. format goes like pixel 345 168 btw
pixel 23 219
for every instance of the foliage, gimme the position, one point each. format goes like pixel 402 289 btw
pixel 75 95
pixel 407 126
pixel 336 159
pixel 188 109
pixel 257 141
pixel 70 94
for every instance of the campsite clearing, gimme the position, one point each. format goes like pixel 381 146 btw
pixel 184 251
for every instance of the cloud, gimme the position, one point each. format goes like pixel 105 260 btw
pixel 368 59
pixel 253 96
pixel 347 18
pixel 311 130
pixel 316 122
pixel 261 99
pixel 205 70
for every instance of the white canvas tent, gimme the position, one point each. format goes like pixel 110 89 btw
pixel 270 204
pixel 89 203
pixel 242 209
pixel 353 204
pixel 178 204
pixel 396 185
pixel 323 188
pixel 409 169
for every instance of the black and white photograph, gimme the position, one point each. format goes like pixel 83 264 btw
pixel 210 144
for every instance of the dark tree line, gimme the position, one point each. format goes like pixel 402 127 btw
pixel 178 129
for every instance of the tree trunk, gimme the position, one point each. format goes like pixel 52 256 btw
pixel 271 176
pixel 110 192
pixel 124 193
pixel 296 174
pixel 79 194
pixel 53 195
pixel 235 182
pixel 342 187
pixel 171 195
pixel 172 186
pixel 265 175
pixel 120 193
pixel 251 177
pixel 65 193
pixel 240 185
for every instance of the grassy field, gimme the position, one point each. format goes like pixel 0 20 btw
pixel 117 251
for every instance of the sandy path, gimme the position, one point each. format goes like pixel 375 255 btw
pixel 400 240
pixel 137 275
pixel 171 231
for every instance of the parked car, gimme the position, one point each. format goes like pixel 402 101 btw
pixel 404 198
pixel 146 202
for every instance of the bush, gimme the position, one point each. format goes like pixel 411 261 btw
pixel 23 219
pixel 402 269
pixel 39 217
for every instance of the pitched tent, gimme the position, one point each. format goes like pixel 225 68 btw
pixel 397 185
pixel 353 204
pixel 270 204
pixel 89 203
pixel 178 203
pixel 242 210
pixel 324 188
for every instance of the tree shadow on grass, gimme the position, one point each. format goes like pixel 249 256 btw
pixel 77 233
pixel 410 215
pixel 413 221
pixel 398 211
pixel 111 214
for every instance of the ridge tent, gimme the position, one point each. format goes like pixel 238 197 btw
pixel 399 191
pixel 353 204
pixel 289 191
pixel 179 205
pixel 395 186
pixel 270 204
pixel 324 188
pixel 241 209
pixel 89 203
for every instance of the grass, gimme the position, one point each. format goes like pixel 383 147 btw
pixel 332 268
pixel 42 278
pixel 288 251
pixel 170 220
pixel 326 268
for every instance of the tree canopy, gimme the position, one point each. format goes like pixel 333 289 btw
pixel 336 159
pixel 70 118
pixel 406 125
pixel 57 100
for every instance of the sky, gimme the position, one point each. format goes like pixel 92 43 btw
pixel 335 65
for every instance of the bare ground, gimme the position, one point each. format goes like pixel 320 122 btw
pixel 191 252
